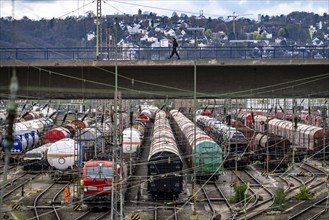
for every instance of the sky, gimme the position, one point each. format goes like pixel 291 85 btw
pixel 47 9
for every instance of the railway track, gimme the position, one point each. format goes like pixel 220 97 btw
pixel 94 215
pixel 311 211
pixel 217 202
pixel 263 197
pixel 308 175
pixel 48 212
pixel 165 212
pixel 17 183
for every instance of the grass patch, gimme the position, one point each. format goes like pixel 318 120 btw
pixel 20 215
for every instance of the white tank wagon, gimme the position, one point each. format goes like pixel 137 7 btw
pixel 131 143
pixel 41 125
pixel 61 154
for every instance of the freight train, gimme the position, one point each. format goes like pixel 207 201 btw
pixel 274 150
pixel 26 136
pixel 282 134
pixel 164 161
pixel 62 155
pixel 306 138
pixel 203 154
pixel 233 142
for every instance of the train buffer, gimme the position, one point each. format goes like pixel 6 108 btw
pixel 135 217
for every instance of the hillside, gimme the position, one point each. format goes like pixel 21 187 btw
pixel 299 28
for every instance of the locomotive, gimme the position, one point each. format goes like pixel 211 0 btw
pixel 203 154
pixel 98 182
pixel 164 161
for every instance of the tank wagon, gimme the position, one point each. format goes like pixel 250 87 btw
pixel 66 131
pixel 90 140
pixel 203 154
pixel 36 159
pixel 98 182
pixel 233 142
pixel 26 136
pixel 24 140
pixel 164 161
pixel 41 125
pixel 132 138
pixel 62 157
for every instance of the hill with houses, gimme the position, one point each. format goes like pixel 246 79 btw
pixel 146 29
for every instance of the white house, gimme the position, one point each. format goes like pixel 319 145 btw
pixel 170 33
pixel 90 36
pixel 133 30
pixel 164 43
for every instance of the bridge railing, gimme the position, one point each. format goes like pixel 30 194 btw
pixel 160 53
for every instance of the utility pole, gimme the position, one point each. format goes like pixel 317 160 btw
pixel 117 198
pixel 9 138
pixel 108 41
pixel 324 116
pixel 194 114
pixel 233 22
pixel 99 30
pixel 294 128
pixel 234 16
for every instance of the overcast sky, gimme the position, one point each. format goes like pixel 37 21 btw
pixel 38 9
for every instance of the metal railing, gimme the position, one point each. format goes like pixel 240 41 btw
pixel 160 53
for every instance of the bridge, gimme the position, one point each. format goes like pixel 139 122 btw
pixel 221 72
pixel 140 79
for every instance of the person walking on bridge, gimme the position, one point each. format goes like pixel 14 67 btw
pixel 174 49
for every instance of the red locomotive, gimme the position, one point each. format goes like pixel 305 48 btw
pixel 98 182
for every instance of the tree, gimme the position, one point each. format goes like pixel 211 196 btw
pixel 208 33
pixel 283 32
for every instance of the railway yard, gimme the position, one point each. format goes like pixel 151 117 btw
pixel 236 164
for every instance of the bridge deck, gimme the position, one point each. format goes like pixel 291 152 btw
pixel 77 79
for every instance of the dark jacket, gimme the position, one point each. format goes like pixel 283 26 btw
pixel 174 43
